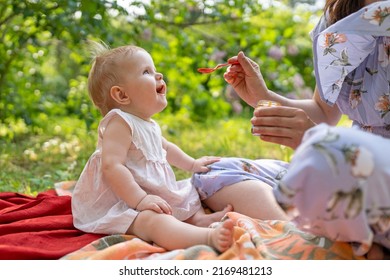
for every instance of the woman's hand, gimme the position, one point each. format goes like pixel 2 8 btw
pixel 246 79
pixel 200 164
pixel 154 203
pixel 281 125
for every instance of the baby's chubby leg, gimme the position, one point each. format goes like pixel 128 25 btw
pixel 170 233
pixel 201 219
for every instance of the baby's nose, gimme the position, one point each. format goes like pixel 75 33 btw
pixel 159 76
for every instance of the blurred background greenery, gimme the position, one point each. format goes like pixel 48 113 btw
pixel 47 123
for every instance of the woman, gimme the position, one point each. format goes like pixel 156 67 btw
pixel 337 184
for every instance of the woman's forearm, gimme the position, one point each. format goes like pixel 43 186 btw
pixel 317 110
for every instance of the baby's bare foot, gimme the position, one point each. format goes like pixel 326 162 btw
pixel 221 237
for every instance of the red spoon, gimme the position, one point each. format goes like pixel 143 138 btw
pixel 210 70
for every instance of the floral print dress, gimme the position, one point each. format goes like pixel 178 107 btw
pixel 338 182
pixel 351 59
pixel 338 186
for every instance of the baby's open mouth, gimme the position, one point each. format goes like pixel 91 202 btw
pixel 160 90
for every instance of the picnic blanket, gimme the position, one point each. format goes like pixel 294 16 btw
pixel 38 227
pixel 253 240
pixel 41 228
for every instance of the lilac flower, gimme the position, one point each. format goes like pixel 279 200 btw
pixel 275 52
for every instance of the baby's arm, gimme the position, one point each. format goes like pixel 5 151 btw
pixel 177 157
pixel 116 143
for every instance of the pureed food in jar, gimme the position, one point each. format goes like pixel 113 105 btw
pixel 264 103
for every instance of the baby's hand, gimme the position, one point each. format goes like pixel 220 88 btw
pixel 200 164
pixel 154 203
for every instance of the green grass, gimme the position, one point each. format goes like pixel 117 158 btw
pixel 34 161
pixel 228 138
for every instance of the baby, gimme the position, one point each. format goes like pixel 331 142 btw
pixel 128 185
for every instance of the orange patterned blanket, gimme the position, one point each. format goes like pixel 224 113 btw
pixel 253 239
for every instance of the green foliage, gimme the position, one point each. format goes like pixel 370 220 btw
pixel 39 53
pixel 45 62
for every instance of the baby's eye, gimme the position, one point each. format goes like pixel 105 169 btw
pixel 146 72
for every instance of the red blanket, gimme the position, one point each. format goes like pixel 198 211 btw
pixel 38 227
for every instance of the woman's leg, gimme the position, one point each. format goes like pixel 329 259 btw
pixel 251 198
pixel 243 183
pixel 170 233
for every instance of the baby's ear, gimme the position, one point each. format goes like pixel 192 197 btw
pixel 119 95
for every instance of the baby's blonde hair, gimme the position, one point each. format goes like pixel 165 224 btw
pixel 104 71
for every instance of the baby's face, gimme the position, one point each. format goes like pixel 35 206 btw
pixel 144 84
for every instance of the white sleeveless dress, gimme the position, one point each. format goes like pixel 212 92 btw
pixel 97 209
